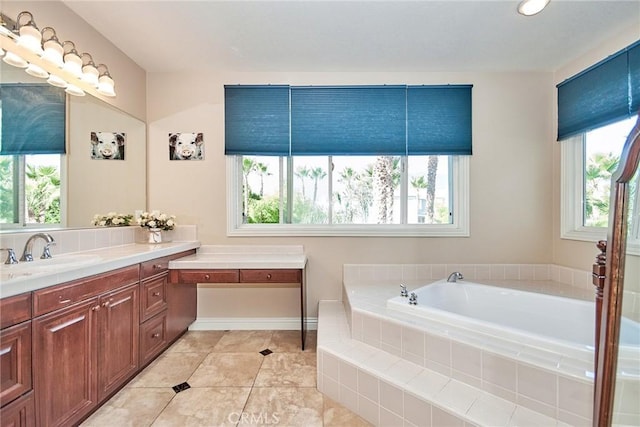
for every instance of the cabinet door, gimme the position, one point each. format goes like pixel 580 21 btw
pixel 64 364
pixel 182 307
pixel 15 359
pixel 118 338
pixel 19 413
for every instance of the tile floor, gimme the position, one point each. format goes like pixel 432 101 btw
pixel 231 384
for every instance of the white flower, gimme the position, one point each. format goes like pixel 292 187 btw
pixel 170 223
pixel 102 223
pixel 152 224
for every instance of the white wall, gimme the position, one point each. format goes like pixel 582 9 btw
pixel 510 177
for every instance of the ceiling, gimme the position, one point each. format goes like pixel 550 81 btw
pixel 331 35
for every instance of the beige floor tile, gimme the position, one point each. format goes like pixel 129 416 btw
pixel 284 406
pixel 243 341
pixel 213 406
pixel 290 342
pixel 197 342
pixel 131 407
pixel 168 370
pixel 288 369
pixel 336 415
pixel 227 369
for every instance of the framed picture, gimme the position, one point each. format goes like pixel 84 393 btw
pixel 186 146
pixel 107 145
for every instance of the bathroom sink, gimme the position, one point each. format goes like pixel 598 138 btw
pixel 51 265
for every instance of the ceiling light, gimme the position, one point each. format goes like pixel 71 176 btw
pixel 72 61
pixel 15 60
pixel 74 90
pixel 89 71
pixel 105 82
pixel 532 7
pixel 53 50
pixel 56 81
pixel 30 37
pixel 35 71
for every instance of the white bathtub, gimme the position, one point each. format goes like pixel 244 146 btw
pixel 503 311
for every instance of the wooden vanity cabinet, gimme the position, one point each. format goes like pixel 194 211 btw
pixel 16 398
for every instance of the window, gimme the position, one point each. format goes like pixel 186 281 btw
pixel 588 161
pixel 348 195
pixel 30 190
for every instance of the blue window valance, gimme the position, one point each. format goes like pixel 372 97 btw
pixel 348 120
pixel 604 93
pixel 33 119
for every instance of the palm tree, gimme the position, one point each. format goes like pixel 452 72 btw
pixel 248 166
pixel 303 172
pixel 598 171
pixel 42 191
pixel 383 187
pixel 432 170
pixel 316 174
pixel 418 183
pixel 262 170
pixel 347 178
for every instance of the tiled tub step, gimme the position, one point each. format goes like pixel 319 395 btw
pixel 387 390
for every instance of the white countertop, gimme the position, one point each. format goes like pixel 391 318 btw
pixel 243 256
pixel 24 277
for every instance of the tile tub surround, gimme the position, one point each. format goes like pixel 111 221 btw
pixel 555 385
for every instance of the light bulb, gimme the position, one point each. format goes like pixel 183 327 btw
pixel 15 60
pixel 36 71
pixel 74 90
pixel 56 81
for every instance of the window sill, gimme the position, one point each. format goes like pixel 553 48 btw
pixel 348 230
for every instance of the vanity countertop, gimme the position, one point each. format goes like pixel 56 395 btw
pixel 243 256
pixel 24 277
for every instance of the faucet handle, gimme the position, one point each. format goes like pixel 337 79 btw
pixel 11 256
pixel 403 290
pixel 413 299
pixel 46 252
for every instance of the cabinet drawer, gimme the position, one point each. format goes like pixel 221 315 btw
pixel 160 265
pixel 20 413
pixel 154 297
pixel 153 337
pixel 49 299
pixel 15 358
pixel 208 276
pixel 15 309
pixel 270 276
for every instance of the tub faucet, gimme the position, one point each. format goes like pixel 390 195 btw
pixel 11 256
pixel 454 277
pixel 413 299
pixel 403 291
pixel 28 247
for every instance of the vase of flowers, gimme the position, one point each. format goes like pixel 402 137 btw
pixel 112 219
pixel 156 226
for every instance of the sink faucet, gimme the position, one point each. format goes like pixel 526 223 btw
pixel 454 277
pixel 28 247
pixel 11 256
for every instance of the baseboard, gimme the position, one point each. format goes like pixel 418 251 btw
pixel 251 323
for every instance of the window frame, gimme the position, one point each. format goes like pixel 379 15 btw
pixel 458 228
pixel 572 194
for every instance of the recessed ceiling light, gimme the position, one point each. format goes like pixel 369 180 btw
pixel 531 7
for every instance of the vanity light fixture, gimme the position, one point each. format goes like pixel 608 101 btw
pixel 532 7
pixel 23 45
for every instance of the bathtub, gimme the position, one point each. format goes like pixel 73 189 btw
pixel 524 316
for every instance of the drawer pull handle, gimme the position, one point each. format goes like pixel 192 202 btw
pixel 207 276
pixel 63 301
pixel 157 266
pixel 156 335
pixel 269 276
pixel 156 294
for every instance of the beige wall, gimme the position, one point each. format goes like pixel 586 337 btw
pixel 130 79
pixel 510 176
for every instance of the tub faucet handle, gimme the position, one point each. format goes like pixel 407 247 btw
pixel 413 299
pixel 454 277
pixel 403 291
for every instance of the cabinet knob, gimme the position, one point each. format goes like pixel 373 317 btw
pixel 96 308
pixel 207 276
pixel 156 294
pixel 106 304
pixel 156 335
pixel 269 276
pixel 157 266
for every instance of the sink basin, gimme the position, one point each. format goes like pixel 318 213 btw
pixel 51 265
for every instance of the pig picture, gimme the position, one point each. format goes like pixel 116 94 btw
pixel 107 145
pixel 186 146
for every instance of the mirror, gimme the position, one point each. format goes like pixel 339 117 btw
pixel 96 186
pixel 617 382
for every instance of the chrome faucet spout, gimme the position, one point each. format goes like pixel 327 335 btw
pixel 454 277
pixel 28 247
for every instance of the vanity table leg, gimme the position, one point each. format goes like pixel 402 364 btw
pixel 303 295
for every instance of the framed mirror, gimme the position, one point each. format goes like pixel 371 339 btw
pixel 91 182
pixel 617 381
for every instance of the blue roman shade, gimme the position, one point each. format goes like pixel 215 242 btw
pixel 33 119
pixel 348 120
pixel 393 120
pixel 257 120
pixel 607 92
pixel 439 120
